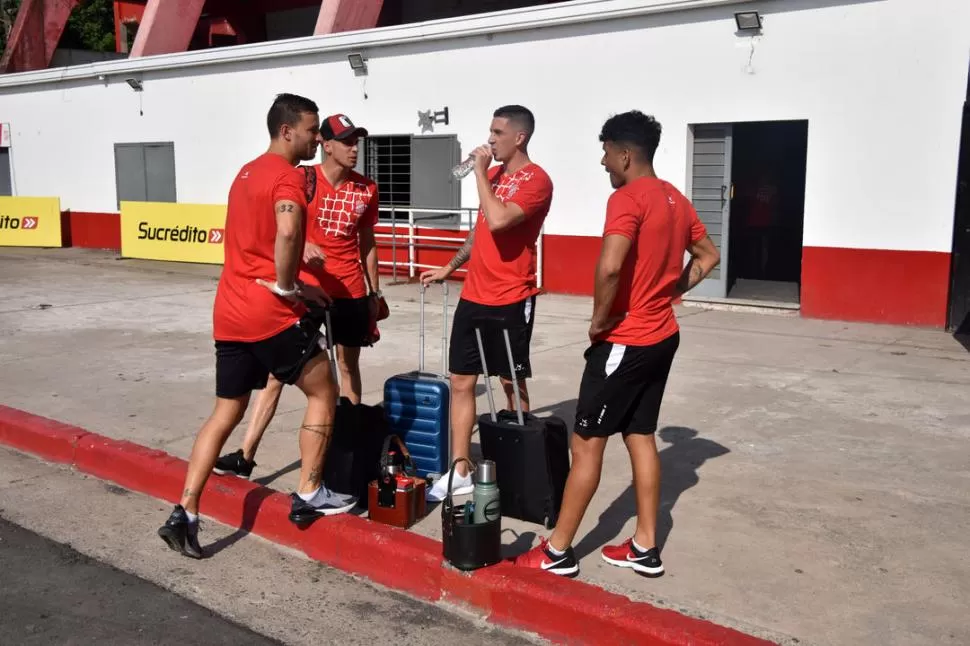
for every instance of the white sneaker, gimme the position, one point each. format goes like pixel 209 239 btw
pixel 461 486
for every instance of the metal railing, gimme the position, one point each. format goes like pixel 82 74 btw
pixel 406 234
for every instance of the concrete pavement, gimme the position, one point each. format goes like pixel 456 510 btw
pixel 815 479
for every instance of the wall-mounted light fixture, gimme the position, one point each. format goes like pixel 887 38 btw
pixel 134 84
pixel 357 63
pixel 748 21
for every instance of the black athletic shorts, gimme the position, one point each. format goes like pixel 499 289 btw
pixel 242 367
pixel 517 318
pixel 350 320
pixel 622 388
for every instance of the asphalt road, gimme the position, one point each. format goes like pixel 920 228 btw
pixel 52 594
pixel 81 563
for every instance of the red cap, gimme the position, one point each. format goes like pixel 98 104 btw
pixel 339 126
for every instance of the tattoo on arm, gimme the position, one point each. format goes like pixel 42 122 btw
pixel 285 208
pixel 464 253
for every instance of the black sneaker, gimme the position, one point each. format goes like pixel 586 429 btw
pixel 234 464
pixel 646 563
pixel 302 512
pixel 181 535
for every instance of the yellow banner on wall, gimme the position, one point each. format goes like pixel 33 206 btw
pixel 167 231
pixel 30 222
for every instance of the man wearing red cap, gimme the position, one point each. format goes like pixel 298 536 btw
pixel 340 256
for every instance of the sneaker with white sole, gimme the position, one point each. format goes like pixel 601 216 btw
pixel 460 486
pixel 645 563
pixel 326 503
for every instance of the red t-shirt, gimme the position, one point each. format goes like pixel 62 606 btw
pixel 661 223
pixel 243 309
pixel 502 267
pixel 333 220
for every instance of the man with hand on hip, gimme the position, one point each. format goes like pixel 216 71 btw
pixel 340 256
pixel 260 325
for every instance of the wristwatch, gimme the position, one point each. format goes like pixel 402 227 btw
pixel 377 294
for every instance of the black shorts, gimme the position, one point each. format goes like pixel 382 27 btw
pixel 517 318
pixel 242 367
pixel 622 388
pixel 350 320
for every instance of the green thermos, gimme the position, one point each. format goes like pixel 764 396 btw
pixel 485 494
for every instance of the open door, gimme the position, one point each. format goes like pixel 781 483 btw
pixel 711 195
pixel 958 319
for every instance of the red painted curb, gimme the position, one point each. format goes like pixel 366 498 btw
pixel 569 611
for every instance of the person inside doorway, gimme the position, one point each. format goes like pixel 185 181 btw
pixel 760 219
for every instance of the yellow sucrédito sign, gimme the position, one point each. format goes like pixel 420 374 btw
pixel 179 232
pixel 30 222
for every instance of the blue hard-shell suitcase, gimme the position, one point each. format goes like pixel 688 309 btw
pixel 417 405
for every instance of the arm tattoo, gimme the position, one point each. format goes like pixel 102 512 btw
pixel 285 208
pixel 696 273
pixel 464 253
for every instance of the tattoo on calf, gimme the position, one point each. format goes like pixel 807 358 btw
pixel 319 429
pixel 189 493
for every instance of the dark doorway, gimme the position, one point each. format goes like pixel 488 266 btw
pixel 958 319
pixel 767 210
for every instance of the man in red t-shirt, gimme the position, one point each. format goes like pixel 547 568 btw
pixel 634 336
pixel 500 287
pixel 259 321
pixel 341 257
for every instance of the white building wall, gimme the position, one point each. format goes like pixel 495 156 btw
pixel 882 95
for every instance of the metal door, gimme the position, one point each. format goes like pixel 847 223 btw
pixel 711 195
pixel 432 184
pixel 160 172
pixel 6 185
pixel 130 180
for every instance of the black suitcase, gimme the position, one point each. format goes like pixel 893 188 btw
pixel 354 455
pixel 531 455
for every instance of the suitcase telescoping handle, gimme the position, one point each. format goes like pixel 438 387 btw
pixel 444 329
pixel 333 352
pixel 488 384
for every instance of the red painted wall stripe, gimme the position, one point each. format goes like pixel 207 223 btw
pixel 872 285
pixel 875 285
pixel 91 230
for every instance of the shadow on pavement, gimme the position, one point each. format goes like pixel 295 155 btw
pixel 679 464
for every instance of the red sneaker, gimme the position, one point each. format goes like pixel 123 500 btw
pixel 627 555
pixel 540 558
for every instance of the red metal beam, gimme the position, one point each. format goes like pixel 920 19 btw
pixel 166 27
pixel 35 34
pixel 347 15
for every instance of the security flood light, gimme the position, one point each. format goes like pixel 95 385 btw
pixel 135 84
pixel 748 20
pixel 357 62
